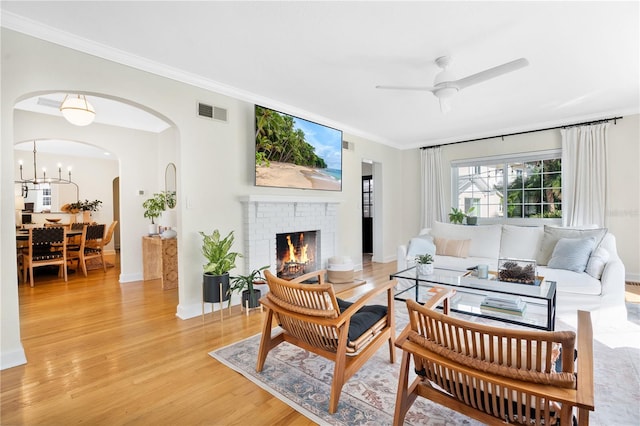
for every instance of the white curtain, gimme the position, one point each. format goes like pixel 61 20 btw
pixel 432 203
pixel 584 175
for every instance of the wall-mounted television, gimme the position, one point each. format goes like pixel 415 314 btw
pixel 295 153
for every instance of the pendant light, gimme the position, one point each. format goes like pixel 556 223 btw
pixel 77 110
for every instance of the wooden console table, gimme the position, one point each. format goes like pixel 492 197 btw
pixel 160 260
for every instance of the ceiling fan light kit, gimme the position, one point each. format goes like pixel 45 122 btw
pixel 445 85
pixel 77 110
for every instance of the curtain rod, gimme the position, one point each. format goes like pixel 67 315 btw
pixel 586 123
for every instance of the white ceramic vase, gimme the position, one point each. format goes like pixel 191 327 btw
pixel 169 233
pixel 425 268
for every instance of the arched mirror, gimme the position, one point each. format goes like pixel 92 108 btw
pixel 170 185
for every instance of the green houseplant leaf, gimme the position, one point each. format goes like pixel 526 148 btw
pixel 424 259
pixel 154 206
pixel 456 215
pixel 217 251
pixel 240 283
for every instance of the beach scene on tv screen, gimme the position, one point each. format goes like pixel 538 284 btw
pixel 296 153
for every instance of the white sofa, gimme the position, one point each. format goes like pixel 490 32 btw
pixel 600 289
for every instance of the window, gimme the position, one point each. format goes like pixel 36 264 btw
pixel 43 197
pixel 527 186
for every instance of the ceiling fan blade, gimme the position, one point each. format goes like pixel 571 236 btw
pixel 491 73
pixel 421 88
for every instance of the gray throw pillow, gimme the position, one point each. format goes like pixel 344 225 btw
pixel 553 233
pixel 572 254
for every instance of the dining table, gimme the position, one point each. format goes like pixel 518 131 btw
pixel 23 234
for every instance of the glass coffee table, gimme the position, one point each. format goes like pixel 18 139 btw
pixel 538 302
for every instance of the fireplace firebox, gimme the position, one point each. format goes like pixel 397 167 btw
pixel 296 253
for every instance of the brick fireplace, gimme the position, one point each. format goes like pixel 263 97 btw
pixel 267 216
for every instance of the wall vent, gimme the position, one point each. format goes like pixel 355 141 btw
pixel 347 145
pixel 219 113
pixel 212 112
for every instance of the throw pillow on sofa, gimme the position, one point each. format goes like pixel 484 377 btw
pixel 485 239
pixel 552 234
pixel 572 254
pixel 454 248
pixel 520 242
pixel 422 244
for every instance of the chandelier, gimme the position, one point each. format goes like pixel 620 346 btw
pixel 36 181
pixel 77 110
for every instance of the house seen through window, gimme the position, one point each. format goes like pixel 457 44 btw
pixel 527 186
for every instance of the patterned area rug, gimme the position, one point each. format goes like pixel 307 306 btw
pixel 302 380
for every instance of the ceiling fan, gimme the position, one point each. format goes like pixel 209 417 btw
pixel 445 85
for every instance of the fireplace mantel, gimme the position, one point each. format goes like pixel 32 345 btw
pixel 287 199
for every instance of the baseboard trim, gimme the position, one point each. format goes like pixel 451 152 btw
pixel 193 310
pixel 127 278
pixel 12 358
pixel 632 278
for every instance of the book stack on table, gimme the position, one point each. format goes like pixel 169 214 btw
pixel 504 304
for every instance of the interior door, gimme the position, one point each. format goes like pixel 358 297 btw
pixel 367 214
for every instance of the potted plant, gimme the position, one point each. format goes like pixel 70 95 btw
pixel 86 207
pixel 424 264
pixel 220 260
pixel 244 284
pixel 471 218
pixel 456 216
pixel 153 208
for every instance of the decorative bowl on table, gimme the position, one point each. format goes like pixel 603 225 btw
pixel 522 271
pixel 53 220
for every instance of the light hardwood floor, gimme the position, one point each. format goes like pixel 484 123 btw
pixel 102 353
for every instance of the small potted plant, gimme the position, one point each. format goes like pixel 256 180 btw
pixel 220 260
pixel 424 264
pixel 472 219
pixel 244 284
pixel 456 216
pixel 153 208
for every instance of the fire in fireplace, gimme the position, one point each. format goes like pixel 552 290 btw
pixel 296 253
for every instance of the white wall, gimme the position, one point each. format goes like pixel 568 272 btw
pixel 214 163
pixel 624 184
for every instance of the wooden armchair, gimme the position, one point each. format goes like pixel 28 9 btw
pixel 312 318
pixel 495 375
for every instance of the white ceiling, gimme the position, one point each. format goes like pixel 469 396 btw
pixel 108 111
pixel 322 60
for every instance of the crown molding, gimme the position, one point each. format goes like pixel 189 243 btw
pixel 50 34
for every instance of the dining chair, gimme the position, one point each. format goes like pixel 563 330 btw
pixel 74 242
pixel 47 246
pixel 108 234
pixel 22 247
pixel 91 246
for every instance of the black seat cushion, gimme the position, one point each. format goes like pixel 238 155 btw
pixel 364 319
